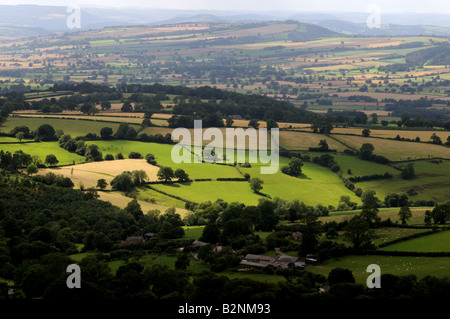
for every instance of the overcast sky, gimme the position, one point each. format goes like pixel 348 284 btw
pixel 417 6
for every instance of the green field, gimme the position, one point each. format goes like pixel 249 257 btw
pixel 7 139
pixel 211 191
pixel 418 214
pixel 147 195
pixel 431 243
pixel 400 266
pixel 42 149
pixel 319 184
pixel 193 232
pixel 431 182
pixel 68 126
pixel 361 168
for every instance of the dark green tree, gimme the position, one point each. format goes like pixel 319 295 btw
pixel 165 174
pixel 211 234
pixel 370 205
pixel 51 160
pixel 134 209
pixel 123 182
pixel 181 175
pixel 408 171
pixel 310 235
pixel 256 184
pixel 106 133
pixel 366 132
pixel 340 275
pixel 358 232
pixel 183 261
pixel 102 183
pixel 404 214
pixel 45 132
pixel 366 151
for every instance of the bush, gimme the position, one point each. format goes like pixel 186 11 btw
pixel 109 157
pixel 150 158
pixel 135 155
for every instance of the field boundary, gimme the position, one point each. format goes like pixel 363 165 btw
pixel 170 195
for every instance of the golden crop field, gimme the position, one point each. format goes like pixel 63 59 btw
pixel 423 135
pixel 87 174
pixel 397 150
pixel 302 141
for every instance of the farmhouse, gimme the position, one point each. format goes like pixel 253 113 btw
pixel 132 240
pixel 262 261
pixel 198 244
pixel 297 236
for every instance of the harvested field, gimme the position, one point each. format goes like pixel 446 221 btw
pixel 423 135
pixel 380 96
pixel 397 150
pixel 88 174
pixel 120 200
pixel 303 141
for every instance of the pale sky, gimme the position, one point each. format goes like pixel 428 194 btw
pixel 387 6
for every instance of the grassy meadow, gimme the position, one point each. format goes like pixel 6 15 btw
pixel 74 127
pixel 43 149
pixel 431 243
pixel 399 265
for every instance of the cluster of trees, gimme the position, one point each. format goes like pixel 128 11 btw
pixel 327 160
pixel 263 216
pixel 323 147
pixel 366 153
pixel 166 174
pixel 78 145
pixel 54 179
pixel 440 214
pixel 294 168
pixel 127 180
pixel 53 222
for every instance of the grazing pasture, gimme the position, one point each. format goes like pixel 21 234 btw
pixel 430 243
pixel 398 265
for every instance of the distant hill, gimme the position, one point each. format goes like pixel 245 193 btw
pixel 19 21
pixel 18 32
pixel 439 55
pixel 306 31
pixel 353 28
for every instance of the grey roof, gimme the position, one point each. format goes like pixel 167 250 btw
pixel 259 257
pixel 277 262
pixel 198 243
pixel 287 259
